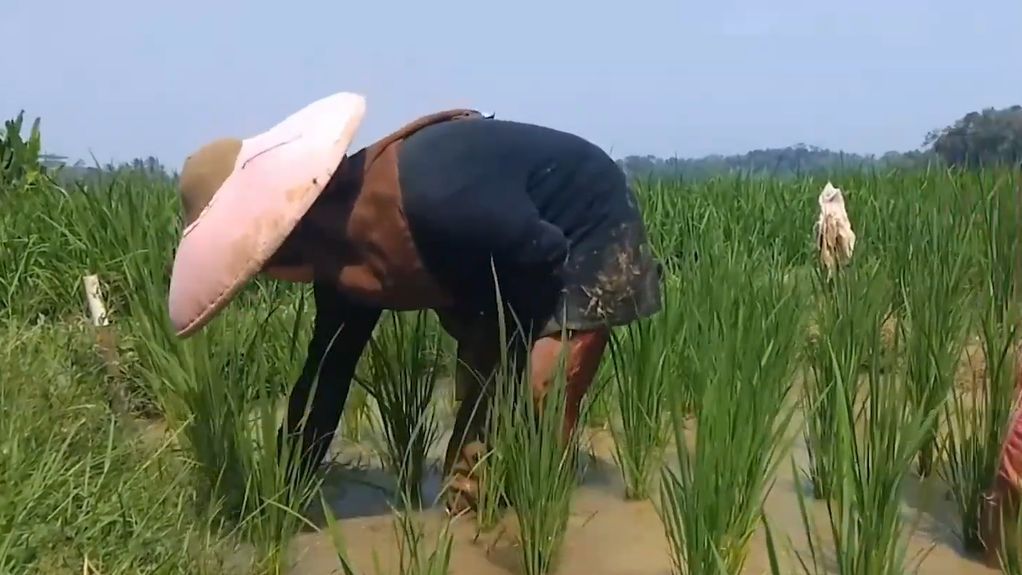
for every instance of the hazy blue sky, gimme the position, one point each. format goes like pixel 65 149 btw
pixel 122 79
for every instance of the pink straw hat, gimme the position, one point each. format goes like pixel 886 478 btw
pixel 242 198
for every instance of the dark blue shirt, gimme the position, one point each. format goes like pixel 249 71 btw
pixel 529 196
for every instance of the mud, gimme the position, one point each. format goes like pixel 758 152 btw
pixel 607 535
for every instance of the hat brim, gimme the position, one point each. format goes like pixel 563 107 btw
pixel 277 177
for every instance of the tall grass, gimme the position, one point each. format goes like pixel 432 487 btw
pixel 740 345
pixel 76 485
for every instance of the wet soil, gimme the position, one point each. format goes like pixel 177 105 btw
pixel 607 535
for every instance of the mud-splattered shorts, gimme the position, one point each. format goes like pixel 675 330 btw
pixel 612 284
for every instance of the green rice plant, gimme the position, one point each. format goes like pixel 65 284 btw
pixel 214 387
pixel 644 364
pixel 537 464
pixel 845 306
pixel 978 415
pixel 541 472
pixel 357 414
pixel 493 468
pixel 878 433
pixel 935 293
pixel 977 418
pixel 740 343
pixel 1008 553
pixel 400 373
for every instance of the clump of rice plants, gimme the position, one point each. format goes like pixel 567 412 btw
pixel 878 433
pixel 1008 553
pixel 978 415
pixel 400 374
pixel 934 292
pixel 644 362
pixel 541 467
pixel 493 468
pixel 740 345
pixel 538 464
pixel 214 388
pixel 845 306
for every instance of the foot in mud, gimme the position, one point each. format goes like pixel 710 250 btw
pixel 462 492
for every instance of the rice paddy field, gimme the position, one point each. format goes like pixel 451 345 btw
pixel 771 419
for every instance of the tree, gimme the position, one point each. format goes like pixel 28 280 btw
pixel 989 137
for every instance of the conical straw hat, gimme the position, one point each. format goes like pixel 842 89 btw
pixel 243 197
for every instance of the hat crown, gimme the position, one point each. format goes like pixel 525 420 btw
pixel 204 172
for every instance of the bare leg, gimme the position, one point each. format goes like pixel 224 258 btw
pixel 581 352
pixel 478 355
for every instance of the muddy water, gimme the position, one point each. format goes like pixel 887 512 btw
pixel 606 534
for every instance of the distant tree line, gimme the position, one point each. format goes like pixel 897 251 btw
pixel 992 136
pixel 979 139
pixel 987 138
pixel 149 167
pixel 794 160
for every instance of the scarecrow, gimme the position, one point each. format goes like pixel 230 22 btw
pixel 437 215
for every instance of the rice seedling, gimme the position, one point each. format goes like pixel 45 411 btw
pixel 536 462
pixel 601 400
pixel 878 433
pixel 541 471
pixel 740 345
pixel 933 285
pixel 494 467
pixel 1008 553
pixel 837 349
pixel 217 393
pixel 978 414
pixel 400 374
pixel 644 366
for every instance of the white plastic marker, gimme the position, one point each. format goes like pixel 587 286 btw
pixel 94 297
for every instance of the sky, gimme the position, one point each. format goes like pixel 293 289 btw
pixel 117 80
